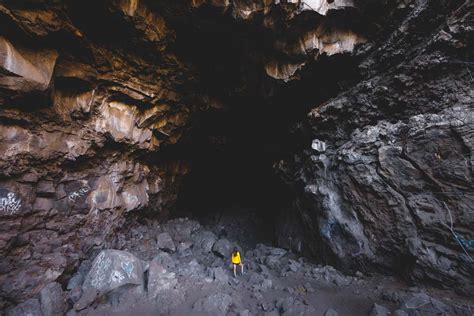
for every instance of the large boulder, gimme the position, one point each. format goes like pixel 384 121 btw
pixel 52 299
pixel 222 248
pixel 205 240
pixel 159 279
pixel 30 307
pixel 112 269
pixel 216 304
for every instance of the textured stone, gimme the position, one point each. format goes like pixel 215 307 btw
pixel 52 299
pixel 112 269
pixel 216 304
pixel 165 242
pixel 159 279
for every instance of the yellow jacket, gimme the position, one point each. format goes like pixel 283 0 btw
pixel 236 257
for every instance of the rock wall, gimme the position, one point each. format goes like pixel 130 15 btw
pixel 387 181
pixel 82 117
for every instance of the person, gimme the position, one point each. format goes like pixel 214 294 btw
pixel 237 261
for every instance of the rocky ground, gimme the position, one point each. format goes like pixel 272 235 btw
pixel 183 268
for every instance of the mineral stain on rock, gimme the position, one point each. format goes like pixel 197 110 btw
pixel 341 131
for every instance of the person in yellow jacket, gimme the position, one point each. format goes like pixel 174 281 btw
pixel 237 261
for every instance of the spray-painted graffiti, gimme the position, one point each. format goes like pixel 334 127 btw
pixel 116 276
pixel 10 205
pixel 101 267
pixel 128 268
pixel 79 193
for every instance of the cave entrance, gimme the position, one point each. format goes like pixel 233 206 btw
pixel 232 186
pixel 232 150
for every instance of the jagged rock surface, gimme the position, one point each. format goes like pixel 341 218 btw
pixel 389 170
pixel 93 93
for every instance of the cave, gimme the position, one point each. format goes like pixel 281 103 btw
pixel 330 142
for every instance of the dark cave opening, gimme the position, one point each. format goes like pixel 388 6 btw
pixel 232 150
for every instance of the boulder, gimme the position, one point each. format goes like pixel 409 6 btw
pixel 29 307
pixel 159 279
pixel 222 248
pixel 219 275
pixel 75 281
pixel 379 310
pixel 427 303
pixel 292 306
pixel 216 304
pixel 88 297
pixel 331 312
pixel 112 269
pixel 165 260
pixel 205 240
pixel 184 249
pixel 165 242
pixel 53 299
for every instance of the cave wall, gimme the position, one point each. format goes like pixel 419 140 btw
pixel 94 94
pixel 389 169
pixel 89 93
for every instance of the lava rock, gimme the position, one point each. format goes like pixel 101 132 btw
pixel 222 248
pixel 165 242
pixel 379 310
pixel 159 279
pixel 112 269
pixel 205 240
pixel 164 259
pixel 219 275
pixel 331 312
pixel 88 297
pixel 293 306
pixel 216 304
pixel 29 307
pixel 52 299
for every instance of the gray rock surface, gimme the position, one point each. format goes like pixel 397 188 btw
pixel 379 310
pixel 223 248
pixel 52 299
pixel 112 269
pixel 165 242
pixel 159 279
pixel 29 307
pixel 216 304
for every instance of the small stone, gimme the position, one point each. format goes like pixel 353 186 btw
pixel 379 310
pixel 165 242
pixel 400 312
pixel 331 312
pixel 75 281
pixel 87 298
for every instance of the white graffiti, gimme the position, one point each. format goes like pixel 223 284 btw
pixel 10 205
pixel 101 267
pixel 79 193
pixel 128 268
pixel 116 276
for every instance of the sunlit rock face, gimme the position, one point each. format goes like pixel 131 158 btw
pixel 96 94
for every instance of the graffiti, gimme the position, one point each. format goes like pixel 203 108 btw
pixel 318 145
pixel 128 268
pixel 79 193
pixel 101 267
pixel 116 276
pixel 10 205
